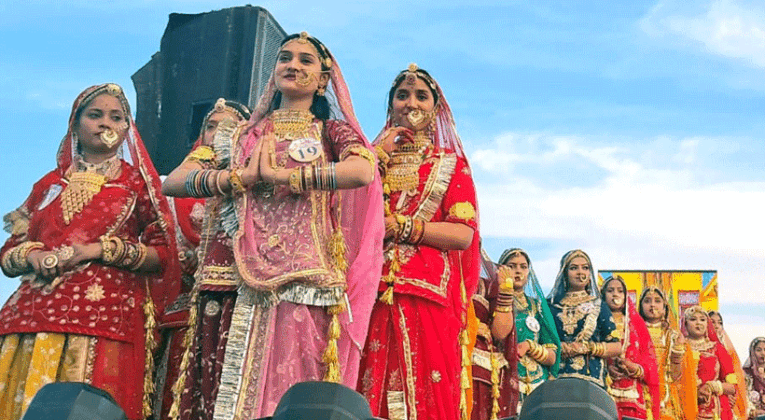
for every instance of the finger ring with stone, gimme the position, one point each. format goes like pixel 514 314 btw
pixel 51 261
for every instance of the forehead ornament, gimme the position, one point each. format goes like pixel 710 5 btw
pixel 411 74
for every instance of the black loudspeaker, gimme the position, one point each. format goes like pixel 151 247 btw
pixel 322 401
pixel 569 399
pixel 73 401
pixel 629 418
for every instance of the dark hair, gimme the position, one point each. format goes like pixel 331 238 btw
pixel 423 75
pixel 710 313
pixel 320 106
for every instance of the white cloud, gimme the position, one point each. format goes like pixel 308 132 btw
pixel 641 213
pixel 728 28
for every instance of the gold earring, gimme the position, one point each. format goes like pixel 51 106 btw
pixel 321 90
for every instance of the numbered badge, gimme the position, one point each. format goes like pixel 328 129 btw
pixel 305 150
pixel 532 323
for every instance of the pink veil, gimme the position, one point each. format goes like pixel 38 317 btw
pixel 361 222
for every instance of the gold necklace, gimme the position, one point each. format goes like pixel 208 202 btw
pixel 290 124
pixel 405 162
pixel 84 183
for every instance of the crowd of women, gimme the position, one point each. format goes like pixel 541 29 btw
pixel 291 249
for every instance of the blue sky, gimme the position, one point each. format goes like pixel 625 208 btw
pixel 631 129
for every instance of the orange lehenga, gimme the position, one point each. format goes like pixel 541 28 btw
pixel 94 323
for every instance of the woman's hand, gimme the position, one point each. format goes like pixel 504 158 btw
pixel 81 253
pixel 705 392
pixel 251 173
pixel 523 348
pixel 391 226
pixel 38 260
pixel 504 273
pixel 267 172
pixel 388 139
pixel 614 371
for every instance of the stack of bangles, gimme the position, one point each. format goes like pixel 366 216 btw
pixel 536 351
pixel 716 387
pixel 505 298
pixel 121 254
pixel 597 349
pixel 409 231
pixel 198 182
pixel 313 177
pixel 15 259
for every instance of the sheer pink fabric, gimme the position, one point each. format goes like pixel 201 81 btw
pixel 361 221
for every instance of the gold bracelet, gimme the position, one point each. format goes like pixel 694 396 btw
pixel 503 309
pixel 235 179
pixel 107 254
pixel 295 179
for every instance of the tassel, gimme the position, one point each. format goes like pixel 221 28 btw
pixel 329 357
pixel 151 344
pixel 495 394
pixel 387 296
pixel 337 250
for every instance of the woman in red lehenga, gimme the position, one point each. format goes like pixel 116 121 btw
pixel 216 292
pixel 416 361
pixel 299 230
pixel 712 366
pixel 92 243
pixel 633 377
pixel 739 403
pixel 754 369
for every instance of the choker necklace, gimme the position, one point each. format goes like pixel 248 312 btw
pixel 290 124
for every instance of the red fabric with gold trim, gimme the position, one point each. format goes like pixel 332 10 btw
pixel 420 262
pixel 95 300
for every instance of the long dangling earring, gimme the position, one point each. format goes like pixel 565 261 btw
pixel 321 90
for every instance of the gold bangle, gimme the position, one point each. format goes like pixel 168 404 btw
pixel 235 179
pixel 296 181
pixel 503 309
pixel 107 254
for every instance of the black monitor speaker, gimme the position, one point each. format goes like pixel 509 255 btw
pixel 73 401
pixel 569 399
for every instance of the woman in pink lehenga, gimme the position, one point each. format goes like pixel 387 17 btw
pixel 306 239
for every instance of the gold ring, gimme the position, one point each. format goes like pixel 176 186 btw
pixel 51 261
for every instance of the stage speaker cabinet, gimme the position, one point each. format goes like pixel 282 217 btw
pixel 73 401
pixel 569 399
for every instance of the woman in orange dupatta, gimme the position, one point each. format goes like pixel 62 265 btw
pixel 93 243
pixel 676 384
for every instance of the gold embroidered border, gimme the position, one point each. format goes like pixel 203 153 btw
pixel 126 211
pixel 630 394
pixel 436 186
pixel 482 358
pixel 440 290
pixel 406 345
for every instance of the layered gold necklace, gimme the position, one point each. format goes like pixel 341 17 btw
pixel 85 181
pixel 405 161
